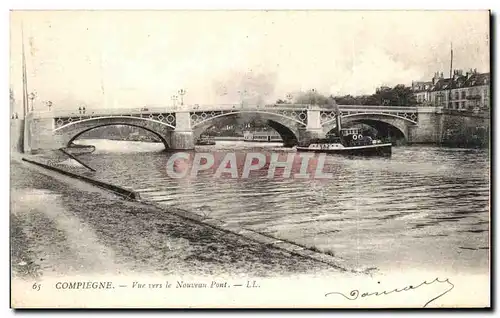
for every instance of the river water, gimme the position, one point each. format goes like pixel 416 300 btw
pixel 425 207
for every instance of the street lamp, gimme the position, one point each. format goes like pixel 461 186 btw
pixel 182 92
pixel 242 94
pixel 49 104
pixel 31 97
pixel 313 91
pixel 174 99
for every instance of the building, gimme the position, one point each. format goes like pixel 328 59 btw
pixel 462 92
pixel 421 90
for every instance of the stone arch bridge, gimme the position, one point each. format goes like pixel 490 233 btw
pixel 179 128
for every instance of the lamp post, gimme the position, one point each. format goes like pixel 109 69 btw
pixel 174 100
pixel 32 97
pixel 242 94
pixel 313 91
pixel 182 92
pixel 49 104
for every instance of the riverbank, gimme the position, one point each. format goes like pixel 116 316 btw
pixel 61 226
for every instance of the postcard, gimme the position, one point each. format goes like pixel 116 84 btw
pixel 250 159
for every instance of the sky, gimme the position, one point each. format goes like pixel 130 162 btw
pixel 115 59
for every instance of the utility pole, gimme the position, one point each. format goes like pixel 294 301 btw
pixel 25 77
pixel 451 76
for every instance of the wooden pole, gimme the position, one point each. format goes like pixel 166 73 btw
pixel 25 77
pixel 451 76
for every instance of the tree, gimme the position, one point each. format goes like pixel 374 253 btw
pixel 404 95
pixel 345 100
pixel 312 97
pixel 399 95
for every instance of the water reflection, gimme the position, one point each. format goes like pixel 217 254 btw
pixel 422 207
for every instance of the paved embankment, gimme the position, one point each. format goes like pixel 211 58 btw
pixel 60 225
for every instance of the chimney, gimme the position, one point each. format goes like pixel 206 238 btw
pixel 435 78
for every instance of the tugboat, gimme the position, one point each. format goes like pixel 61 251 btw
pixel 348 142
pixel 349 145
pixel 206 140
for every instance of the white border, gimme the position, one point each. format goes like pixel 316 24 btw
pixel 190 4
pixel 249 5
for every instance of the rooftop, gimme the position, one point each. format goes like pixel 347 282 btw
pixel 459 80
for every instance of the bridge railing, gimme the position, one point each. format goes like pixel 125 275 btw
pixel 295 107
pixel 154 110
pixel 158 109
pixel 110 111
pixel 244 106
pixel 379 108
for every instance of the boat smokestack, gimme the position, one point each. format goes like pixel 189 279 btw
pixel 336 108
pixel 337 117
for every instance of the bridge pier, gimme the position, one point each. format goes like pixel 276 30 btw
pixel 39 133
pixel 182 138
pixel 314 129
pixel 305 135
pixel 429 127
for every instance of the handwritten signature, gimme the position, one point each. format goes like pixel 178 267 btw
pixel 354 294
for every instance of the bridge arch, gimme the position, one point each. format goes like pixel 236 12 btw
pixel 69 132
pixel 288 128
pixel 379 121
